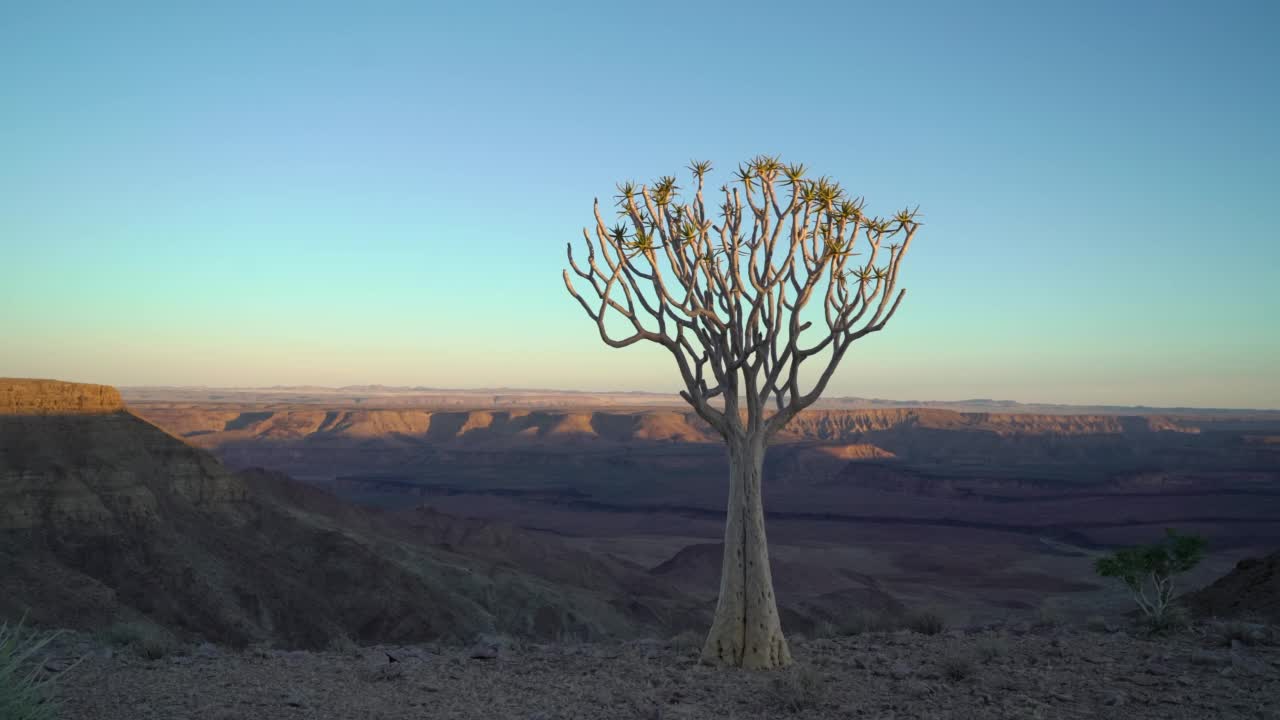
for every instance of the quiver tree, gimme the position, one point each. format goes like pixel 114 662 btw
pixel 772 273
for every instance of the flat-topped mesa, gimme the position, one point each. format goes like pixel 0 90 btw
pixel 21 396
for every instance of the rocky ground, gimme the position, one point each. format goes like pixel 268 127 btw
pixel 1006 672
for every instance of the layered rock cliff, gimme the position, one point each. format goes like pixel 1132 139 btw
pixel 54 397
pixel 213 427
pixel 72 457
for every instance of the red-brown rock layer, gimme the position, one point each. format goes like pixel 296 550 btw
pixel 53 397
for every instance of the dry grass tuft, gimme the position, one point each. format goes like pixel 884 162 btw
pixel 926 622
pixel 342 644
pixel 687 642
pixel 860 622
pixel 1097 623
pixel 956 667
pixel 991 648
pixel 797 689
pixel 144 639
pixel 24 694
pixel 1048 616
pixel 1175 618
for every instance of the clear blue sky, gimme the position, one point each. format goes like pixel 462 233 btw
pixel 261 193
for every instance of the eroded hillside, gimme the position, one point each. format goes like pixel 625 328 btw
pixel 104 518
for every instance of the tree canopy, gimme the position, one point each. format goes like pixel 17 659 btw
pixel 723 282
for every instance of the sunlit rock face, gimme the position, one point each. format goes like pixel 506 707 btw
pixel 54 397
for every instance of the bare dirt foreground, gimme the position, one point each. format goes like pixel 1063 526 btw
pixel 1016 672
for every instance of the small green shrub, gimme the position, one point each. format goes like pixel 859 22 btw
pixel 689 641
pixel 926 622
pixel 1148 571
pixel 24 695
pixel 956 667
pixel 798 688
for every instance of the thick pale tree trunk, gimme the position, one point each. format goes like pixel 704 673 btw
pixel 746 631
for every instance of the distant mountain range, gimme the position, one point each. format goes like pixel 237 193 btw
pixel 487 398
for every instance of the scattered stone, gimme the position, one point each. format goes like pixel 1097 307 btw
pixel 649 647
pixel 206 650
pixel 483 651
pixel 1256 633
pixel 57 665
pixel 379 670
pixel 863 676
pixel 1247 664
pixel 1145 680
pixel 917 688
pixel 1209 657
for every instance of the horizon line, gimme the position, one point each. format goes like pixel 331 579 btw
pixel 674 396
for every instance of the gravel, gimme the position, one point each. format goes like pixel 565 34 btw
pixel 1058 674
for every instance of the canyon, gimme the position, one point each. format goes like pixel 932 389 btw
pixel 986 514
pixel 223 519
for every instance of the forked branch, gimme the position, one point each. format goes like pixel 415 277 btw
pixel 781 271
